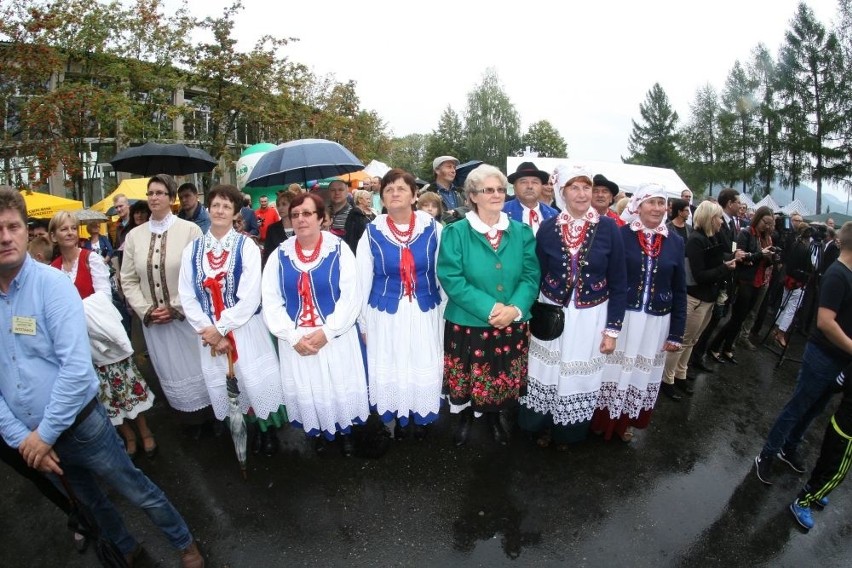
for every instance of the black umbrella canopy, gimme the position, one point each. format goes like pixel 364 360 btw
pixel 153 158
pixel 302 160
pixel 462 170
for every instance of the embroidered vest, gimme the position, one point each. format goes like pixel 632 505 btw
pixel 83 281
pixel 325 285
pixel 233 270
pixel 387 290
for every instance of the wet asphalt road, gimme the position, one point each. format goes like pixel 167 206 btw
pixel 683 493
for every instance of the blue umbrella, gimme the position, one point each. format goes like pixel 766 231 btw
pixel 302 160
pixel 463 169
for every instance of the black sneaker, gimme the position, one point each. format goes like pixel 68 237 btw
pixel 792 460
pixel 763 467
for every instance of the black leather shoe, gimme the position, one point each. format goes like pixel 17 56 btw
pixel 463 429
pixel 319 445
pixel 716 357
pixel 496 427
pixel 670 391
pixel 346 447
pixel 729 357
pixel 269 442
pixel 684 387
pixel 400 432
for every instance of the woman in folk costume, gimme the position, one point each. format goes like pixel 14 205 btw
pixel 310 303
pixel 122 391
pixel 488 269
pixel 401 316
pixel 149 279
pixel 220 293
pixel 654 320
pixel 582 269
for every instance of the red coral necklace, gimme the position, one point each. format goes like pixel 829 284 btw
pixel 651 249
pixel 307 259
pixel 404 237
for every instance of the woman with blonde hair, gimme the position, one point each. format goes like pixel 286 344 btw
pixel 122 390
pixel 706 271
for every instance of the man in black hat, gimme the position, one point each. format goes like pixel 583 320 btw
pixel 527 208
pixel 603 192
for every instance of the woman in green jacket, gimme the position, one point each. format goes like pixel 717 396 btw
pixel 489 270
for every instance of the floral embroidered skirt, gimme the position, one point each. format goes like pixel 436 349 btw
pixel 484 366
pixel 122 390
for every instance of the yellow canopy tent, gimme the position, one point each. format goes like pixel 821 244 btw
pixel 133 188
pixel 45 205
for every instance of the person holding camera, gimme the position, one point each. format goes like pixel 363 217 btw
pixel 799 269
pixel 753 276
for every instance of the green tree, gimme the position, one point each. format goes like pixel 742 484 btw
pixel 542 137
pixel 813 75
pixel 653 141
pixel 492 125
pixel 738 129
pixel 447 140
pixel 699 141
pixel 409 153
pixel 764 71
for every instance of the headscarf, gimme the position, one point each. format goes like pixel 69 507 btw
pixel 645 192
pixel 561 176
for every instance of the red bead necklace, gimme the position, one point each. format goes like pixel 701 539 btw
pixel 652 250
pixel 402 236
pixel 574 241
pixel 217 262
pixel 313 256
pixel 495 240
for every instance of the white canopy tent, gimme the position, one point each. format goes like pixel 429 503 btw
pixel 768 202
pixel 796 207
pixel 629 177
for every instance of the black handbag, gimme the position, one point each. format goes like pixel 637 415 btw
pixel 547 321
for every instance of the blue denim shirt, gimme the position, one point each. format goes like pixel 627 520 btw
pixel 46 378
pixel 201 218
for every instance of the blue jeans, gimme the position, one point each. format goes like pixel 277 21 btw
pixel 93 450
pixel 813 391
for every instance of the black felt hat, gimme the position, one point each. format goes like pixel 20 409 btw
pixel 610 185
pixel 528 169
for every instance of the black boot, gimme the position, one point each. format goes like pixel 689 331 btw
pixel 346 446
pixel 496 427
pixel 256 440
pixel 463 429
pixel 269 440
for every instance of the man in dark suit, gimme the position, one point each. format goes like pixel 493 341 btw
pixel 527 207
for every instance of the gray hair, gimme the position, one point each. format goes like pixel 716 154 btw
pixel 477 177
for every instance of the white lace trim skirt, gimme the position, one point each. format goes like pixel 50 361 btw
pixel 565 374
pixel 632 374
pixel 405 362
pixel 325 393
pixel 173 348
pixel 256 370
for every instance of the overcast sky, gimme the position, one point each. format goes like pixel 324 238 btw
pixel 585 67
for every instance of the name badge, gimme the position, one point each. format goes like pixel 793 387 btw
pixel 23 325
pixel 734 247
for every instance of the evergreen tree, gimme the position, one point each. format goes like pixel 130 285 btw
pixel 653 142
pixel 764 72
pixel 738 128
pixel 699 140
pixel 543 138
pixel 492 125
pixel 813 75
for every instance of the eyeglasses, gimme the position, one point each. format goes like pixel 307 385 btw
pixel 156 193
pixel 492 190
pixel 302 214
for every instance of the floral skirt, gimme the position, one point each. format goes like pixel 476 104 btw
pixel 484 366
pixel 122 390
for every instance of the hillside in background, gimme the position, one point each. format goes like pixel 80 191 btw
pixel 804 193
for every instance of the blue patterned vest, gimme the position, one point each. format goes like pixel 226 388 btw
pixel 387 290
pixel 325 284
pixel 233 270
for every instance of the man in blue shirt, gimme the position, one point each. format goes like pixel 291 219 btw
pixel 49 409
pixel 191 209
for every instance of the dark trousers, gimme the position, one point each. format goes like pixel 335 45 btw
pixel 835 456
pixel 13 459
pixel 724 340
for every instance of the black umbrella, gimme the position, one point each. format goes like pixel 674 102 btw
pixel 173 159
pixel 302 160
pixel 82 521
pixel 463 169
